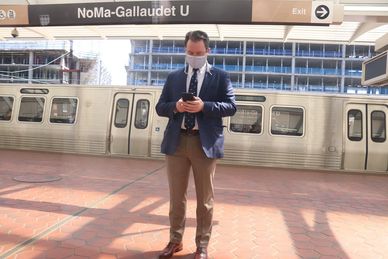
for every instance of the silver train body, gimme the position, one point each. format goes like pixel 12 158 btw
pixel 276 129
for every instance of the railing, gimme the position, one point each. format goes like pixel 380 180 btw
pixel 274 86
pixel 332 88
pixel 140 67
pixel 33 45
pixel 259 85
pixel 138 82
pixel 141 50
pixel 319 53
pixel 352 72
pixel 271 52
pixel 260 69
pixel 158 82
pixel 229 67
pixel 158 66
pixel 270 69
pixel 320 71
pixel 237 84
pixel 168 50
pixel 166 66
pixel 249 51
pixel 230 51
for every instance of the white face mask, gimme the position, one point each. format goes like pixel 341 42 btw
pixel 196 61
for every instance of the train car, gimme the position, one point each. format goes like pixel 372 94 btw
pixel 277 129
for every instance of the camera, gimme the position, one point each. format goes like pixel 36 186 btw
pixel 14 33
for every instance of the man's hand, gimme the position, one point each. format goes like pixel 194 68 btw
pixel 179 106
pixel 190 106
pixel 193 106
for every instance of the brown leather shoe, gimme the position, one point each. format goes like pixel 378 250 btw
pixel 201 253
pixel 170 249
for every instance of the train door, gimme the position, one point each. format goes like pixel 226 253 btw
pixel 377 148
pixel 366 147
pixel 130 129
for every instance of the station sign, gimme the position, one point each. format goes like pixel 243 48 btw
pixel 292 12
pixel 13 15
pixel 302 12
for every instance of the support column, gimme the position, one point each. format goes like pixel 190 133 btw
pixel 30 63
pixel 150 63
pixel 243 64
pixel 293 67
pixel 343 66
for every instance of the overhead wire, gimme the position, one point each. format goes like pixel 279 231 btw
pixel 23 78
pixel 34 68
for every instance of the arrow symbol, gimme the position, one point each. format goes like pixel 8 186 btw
pixel 322 12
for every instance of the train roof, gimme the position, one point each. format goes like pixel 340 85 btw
pixel 238 91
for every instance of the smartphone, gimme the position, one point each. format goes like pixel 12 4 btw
pixel 188 97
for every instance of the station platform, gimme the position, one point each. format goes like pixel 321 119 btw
pixel 78 206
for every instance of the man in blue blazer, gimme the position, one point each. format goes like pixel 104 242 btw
pixel 194 138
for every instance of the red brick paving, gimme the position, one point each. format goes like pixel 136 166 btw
pixel 117 208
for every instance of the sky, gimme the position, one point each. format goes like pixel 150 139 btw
pixel 114 55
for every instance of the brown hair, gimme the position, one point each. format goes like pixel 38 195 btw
pixel 197 36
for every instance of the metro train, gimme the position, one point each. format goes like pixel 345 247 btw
pixel 276 129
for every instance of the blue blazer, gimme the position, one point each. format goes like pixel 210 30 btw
pixel 219 101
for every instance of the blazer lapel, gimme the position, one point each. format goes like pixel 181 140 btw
pixel 206 83
pixel 181 84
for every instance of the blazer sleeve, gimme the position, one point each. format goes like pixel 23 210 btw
pixel 227 104
pixel 166 106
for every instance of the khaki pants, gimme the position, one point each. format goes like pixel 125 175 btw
pixel 189 153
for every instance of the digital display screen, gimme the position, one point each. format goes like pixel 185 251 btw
pixel 377 67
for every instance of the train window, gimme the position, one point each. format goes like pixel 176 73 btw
pixel 31 109
pixel 354 125
pixel 6 104
pixel 378 127
pixel 63 110
pixel 142 111
pixel 287 121
pixel 121 118
pixel 247 119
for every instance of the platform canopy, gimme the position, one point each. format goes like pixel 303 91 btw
pixel 363 22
